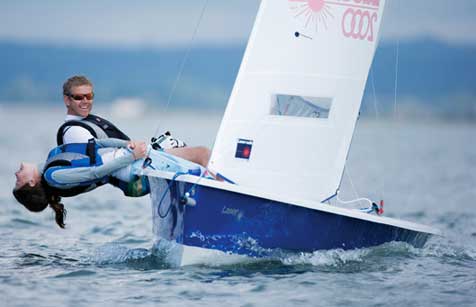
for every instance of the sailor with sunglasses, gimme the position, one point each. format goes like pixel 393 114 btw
pixel 81 126
pixel 92 152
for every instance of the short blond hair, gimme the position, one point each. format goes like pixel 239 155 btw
pixel 75 81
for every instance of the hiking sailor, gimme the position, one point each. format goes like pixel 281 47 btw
pixel 73 169
pixel 80 125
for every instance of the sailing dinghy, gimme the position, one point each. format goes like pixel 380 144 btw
pixel 284 141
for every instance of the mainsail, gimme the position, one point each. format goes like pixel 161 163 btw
pixel 290 119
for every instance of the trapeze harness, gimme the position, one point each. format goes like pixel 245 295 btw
pixel 101 128
pixel 77 155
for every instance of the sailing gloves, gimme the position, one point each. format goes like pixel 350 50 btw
pixel 166 141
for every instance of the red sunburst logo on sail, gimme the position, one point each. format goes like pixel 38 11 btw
pixel 315 13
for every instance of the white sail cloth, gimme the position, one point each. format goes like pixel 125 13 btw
pixel 290 119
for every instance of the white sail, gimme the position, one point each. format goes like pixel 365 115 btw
pixel 290 119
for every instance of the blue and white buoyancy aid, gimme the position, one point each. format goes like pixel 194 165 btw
pixel 72 156
pixel 85 155
pixel 101 128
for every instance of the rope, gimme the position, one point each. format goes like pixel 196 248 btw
pixel 357 198
pixel 172 181
pixel 182 65
pixel 395 109
pixel 368 209
pixel 377 116
pixel 397 53
pixel 165 193
pixel 396 78
pixel 346 202
pixel 372 207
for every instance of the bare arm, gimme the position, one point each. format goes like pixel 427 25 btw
pixel 199 155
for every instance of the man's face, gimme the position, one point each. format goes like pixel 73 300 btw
pixel 77 102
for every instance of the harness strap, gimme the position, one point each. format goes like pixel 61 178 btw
pixel 99 128
pixel 91 151
pixel 107 127
pixel 95 130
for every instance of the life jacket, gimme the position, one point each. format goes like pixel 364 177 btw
pixel 86 155
pixel 99 128
pixel 72 156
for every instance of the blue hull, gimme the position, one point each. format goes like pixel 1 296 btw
pixel 254 226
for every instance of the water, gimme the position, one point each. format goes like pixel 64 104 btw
pixel 426 172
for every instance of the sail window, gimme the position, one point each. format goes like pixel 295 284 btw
pixel 301 106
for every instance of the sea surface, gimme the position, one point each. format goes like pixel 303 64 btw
pixel 425 172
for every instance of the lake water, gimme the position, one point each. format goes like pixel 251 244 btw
pixel 425 172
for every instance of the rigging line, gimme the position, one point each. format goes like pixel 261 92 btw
pixel 397 53
pixel 346 170
pixel 377 115
pixel 397 60
pixel 184 61
pixel 347 173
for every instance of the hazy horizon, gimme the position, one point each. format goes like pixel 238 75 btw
pixel 162 23
pixel 134 52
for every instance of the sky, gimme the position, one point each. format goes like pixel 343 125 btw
pixel 165 23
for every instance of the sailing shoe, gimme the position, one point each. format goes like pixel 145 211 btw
pixel 166 141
